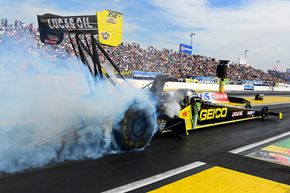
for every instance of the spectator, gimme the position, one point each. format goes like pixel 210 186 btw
pixel 131 56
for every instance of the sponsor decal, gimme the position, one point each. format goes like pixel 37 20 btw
pixel 105 35
pixel 126 73
pixel 214 97
pixel 111 20
pixel 69 23
pixel 51 39
pixel 250 113
pixel 111 17
pixel 161 123
pixel 237 113
pixel 204 96
pixel 207 114
pixel 184 114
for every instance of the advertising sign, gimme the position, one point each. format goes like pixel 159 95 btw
pixel 248 87
pixel 110 25
pixel 144 75
pixel 125 73
pixel 184 48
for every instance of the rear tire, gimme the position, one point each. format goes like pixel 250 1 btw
pixel 135 130
pixel 264 112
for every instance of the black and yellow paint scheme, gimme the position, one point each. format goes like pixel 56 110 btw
pixel 199 114
pixel 196 113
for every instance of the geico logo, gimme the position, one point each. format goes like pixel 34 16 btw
pixel 206 114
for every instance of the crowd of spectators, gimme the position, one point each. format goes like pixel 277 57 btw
pixel 131 56
pixel 281 75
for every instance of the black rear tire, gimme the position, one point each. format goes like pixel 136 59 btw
pixel 135 130
pixel 264 113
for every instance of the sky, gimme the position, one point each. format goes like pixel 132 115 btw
pixel 223 29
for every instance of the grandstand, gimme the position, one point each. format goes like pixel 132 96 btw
pixel 130 56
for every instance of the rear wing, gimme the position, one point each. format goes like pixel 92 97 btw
pixel 86 34
pixel 106 24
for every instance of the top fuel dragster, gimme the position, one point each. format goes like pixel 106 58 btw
pixel 198 112
pixel 88 33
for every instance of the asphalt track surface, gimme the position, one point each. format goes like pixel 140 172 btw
pixel 210 145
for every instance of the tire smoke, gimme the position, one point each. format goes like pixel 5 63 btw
pixel 52 111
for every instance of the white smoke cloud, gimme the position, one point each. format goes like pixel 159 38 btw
pixel 172 106
pixel 45 105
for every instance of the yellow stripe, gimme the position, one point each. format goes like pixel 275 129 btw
pixel 226 122
pixel 277 149
pixel 221 180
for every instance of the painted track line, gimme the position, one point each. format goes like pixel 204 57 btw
pixel 250 146
pixel 156 178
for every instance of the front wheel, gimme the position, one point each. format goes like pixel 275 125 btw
pixel 135 130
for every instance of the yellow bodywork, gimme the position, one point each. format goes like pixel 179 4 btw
pixel 186 114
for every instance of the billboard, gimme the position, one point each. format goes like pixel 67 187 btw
pixel 144 75
pixel 184 48
pixel 249 87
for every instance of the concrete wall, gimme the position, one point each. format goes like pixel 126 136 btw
pixel 170 86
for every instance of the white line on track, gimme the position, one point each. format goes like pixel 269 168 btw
pixel 156 178
pixel 244 148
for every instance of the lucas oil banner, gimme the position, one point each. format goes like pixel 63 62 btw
pixel 107 24
pixel 52 27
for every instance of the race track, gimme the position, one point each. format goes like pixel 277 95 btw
pixel 211 146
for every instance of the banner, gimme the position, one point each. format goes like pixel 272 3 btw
pixel 110 27
pixel 249 87
pixel 184 48
pixel 107 24
pixel 125 73
pixel 52 27
pixel 144 75
pixel 205 79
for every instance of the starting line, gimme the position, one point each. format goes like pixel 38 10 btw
pixel 156 178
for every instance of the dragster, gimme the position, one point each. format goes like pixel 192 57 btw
pixel 197 112
pixel 87 35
